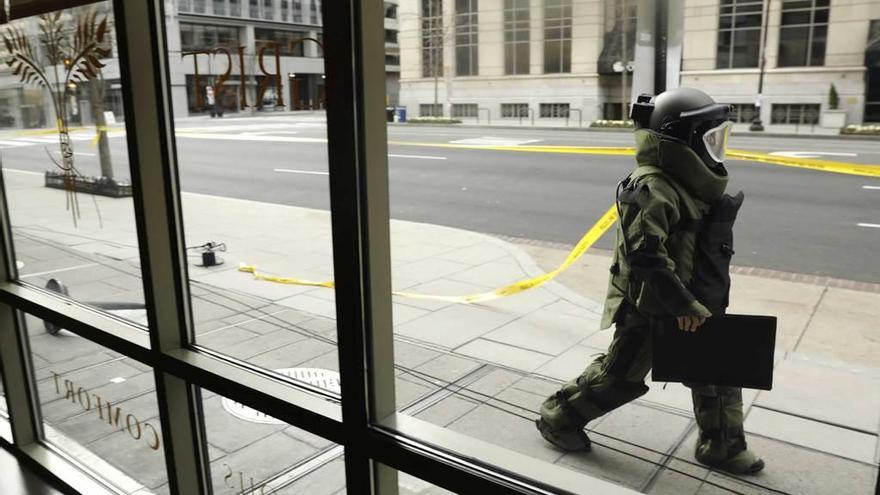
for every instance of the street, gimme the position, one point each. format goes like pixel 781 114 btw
pixel 794 220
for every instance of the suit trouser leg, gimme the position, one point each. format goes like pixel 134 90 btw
pixel 613 379
pixel 719 414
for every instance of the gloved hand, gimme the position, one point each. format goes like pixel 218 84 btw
pixel 690 323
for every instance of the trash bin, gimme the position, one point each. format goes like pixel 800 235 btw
pixel 401 114
pixel 389 114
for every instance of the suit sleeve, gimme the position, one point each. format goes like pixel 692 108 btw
pixel 648 212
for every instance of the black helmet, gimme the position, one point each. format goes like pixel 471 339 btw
pixel 689 115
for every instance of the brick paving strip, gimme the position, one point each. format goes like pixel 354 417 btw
pixel 492 364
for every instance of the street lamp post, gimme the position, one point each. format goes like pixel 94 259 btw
pixel 756 121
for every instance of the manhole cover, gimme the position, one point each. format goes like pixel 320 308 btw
pixel 325 379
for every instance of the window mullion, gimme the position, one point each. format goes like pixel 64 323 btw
pixel 15 357
pixel 149 128
pixel 361 247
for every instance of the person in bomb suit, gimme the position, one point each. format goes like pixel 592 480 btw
pixel 672 259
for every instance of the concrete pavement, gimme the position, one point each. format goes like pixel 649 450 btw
pixel 818 428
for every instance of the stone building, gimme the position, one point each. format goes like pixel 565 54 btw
pixel 558 59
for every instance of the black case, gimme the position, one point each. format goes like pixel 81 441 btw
pixel 731 350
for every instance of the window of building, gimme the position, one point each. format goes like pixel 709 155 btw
pixel 219 7
pixel 185 5
pixel 392 59
pixel 285 10
pixel 195 37
pixel 390 36
pixel 465 110
pixel 268 10
pixel 803 32
pixel 290 43
pixel 254 9
pixel 315 11
pixel 297 11
pixel 466 38
pixel 743 113
pixel 554 110
pixel 514 110
pixel 557 36
pixel 613 111
pixel 431 110
pixel 739 33
pixel 872 63
pixel 200 6
pixel 235 8
pixel 432 38
pixel 800 114
pixel 390 10
pixel 619 35
pixel 516 36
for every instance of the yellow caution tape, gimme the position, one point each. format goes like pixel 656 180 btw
pixel 243 267
pixel 864 170
pixel 808 163
pixel 583 150
pixel 592 235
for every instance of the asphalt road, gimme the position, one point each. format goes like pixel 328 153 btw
pixel 793 219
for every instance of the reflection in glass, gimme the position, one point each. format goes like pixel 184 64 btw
pixel 252 152
pixel 65 160
pixel 251 452
pixel 99 408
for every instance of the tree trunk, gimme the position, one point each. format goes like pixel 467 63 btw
pixel 96 94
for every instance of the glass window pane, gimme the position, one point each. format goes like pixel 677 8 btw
pixel 817 51
pixel 65 163
pixel 746 48
pixel 793 46
pixel 796 17
pixel 252 452
pixel 252 152
pixel 723 56
pixel 99 408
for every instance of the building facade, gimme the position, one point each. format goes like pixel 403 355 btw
pixel 222 51
pixel 558 59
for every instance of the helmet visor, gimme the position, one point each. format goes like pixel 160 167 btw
pixel 715 140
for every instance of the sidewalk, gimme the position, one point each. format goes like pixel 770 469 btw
pixel 817 430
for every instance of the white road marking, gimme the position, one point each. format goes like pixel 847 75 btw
pixel 877 188
pixel 13 144
pixel 810 154
pixel 118 379
pixel 870 225
pixel 306 172
pixel 245 137
pixel 27 172
pixel 49 272
pixel 495 141
pixel 76 153
pixel 419 157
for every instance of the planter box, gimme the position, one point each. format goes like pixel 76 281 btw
pixel 101 186
pixel 835 119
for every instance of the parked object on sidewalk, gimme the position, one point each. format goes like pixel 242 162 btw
pixel 672 261
pixel 59 287
pixel 207 253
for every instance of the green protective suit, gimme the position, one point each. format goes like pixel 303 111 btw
pixel 662 205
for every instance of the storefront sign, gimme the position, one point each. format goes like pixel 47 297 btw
pixel 218 87
pixel 108 412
